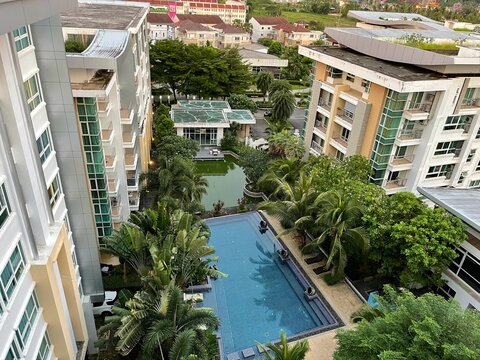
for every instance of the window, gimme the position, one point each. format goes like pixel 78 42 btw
pixel 22 38
pixel 44 145
pixel 54 191
pixel 13 353
pixel 11 273
pixel 44 350
pixel 366 85
pixel 471 155
pixel 27 321
pixel 474 184
pixel 478 167
pixel 440 170
pixel 339 155
pixel 350 77
pixel 457 122
pixel 468 98
pixel 446 292
pixel 345 134
pixel 4 205
pixel 478 134
pixel 449 147
pixel 467 267
pixel 321 121
pixel 32 89
pixel 334 72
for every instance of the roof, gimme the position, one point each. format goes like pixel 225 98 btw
pixel 201 19
pixel 462 203
pixel 398 71
pixel 229 29
pixel 189 25
pixel 185 116
pixel 115 16
pixel 199 4
pixel 159 18
pixel 106 44
pixel 241 116
pixel 270 20
pixel 394 19
pixel 252 54
pixel 202 104
pixel 255 47
pixel 292 28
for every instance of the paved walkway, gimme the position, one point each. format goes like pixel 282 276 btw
pixel 341 298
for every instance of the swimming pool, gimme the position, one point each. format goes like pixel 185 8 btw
pixel 261 295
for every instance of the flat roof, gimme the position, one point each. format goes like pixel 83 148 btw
pixel 202 104
pixel 112 16
pixel 196 116
pixel 398 71
pixel 241 116
pixel 463 203
pixel 254 54
pixel 99 81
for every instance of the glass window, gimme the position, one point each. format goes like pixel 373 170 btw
pixel 54 191
pixel 4 205
pixel 457 122
pixel 22 38
pixel 26 322
pixel 345 134
pixel 44 145
pixel 478 134
pixel 32 89
pixel 339 155
pixel 471 155
pixel 366 85
pixel 334 72
pixel 44 349
pixel 13 353
pixel 11 273
pixel 449 147
pixel 478 167
pixel 440 170
pixel 474 184
pixel 350 77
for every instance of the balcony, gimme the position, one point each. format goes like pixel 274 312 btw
pixel 103 106
pixel 132 183
pixel 325 105
pixel 340 143
pixel 470 105
pixel 129 138
pixel 116 209
pixel 112 186
pixel 134 202
pixel 344 118
pixel 320 126
pixel 410 134
pixel 126 116
pixel 110 162
pixel 396 185
pixel 131 161
pixel 107 136
pixel 316 147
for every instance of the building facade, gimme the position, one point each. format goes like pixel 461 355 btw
pixel 111 89
pixel 463 276
pixel 418 122
pixel 44 313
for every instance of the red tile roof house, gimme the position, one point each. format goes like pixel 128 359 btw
pixel 231 36
pixel 266 26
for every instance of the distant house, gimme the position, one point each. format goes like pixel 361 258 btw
pixel 258 60
pixel 230 36
pixel 194 33
pixel 266 26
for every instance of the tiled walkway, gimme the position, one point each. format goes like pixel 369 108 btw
pixel 342 299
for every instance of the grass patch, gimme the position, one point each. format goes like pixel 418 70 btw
pixel 299 87
pixel 431 46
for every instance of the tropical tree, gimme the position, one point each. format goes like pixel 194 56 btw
pixel 277 127
pixel 295 206
pixel 409 327
pixel 283 102
pixel 275 48
pixel 170 146
pixel 264 82
pixel 240 101
pixel 254 162
pixel 283 351
pixel 174 179
pixel 161 326
pixel 279 85
pixel 338 222
pixel 285 144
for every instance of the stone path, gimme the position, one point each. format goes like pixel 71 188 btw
pixel 340 297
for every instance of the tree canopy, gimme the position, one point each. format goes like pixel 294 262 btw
pixel 237 101
pixel 427 327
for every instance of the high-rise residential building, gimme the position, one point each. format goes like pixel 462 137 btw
pixel 41 310
pixel 463 275
pixel 403 91
pixel 111 89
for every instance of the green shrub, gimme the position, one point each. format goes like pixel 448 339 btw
pixel 74 46
pixel 264 104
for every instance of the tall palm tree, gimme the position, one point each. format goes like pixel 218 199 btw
pixel 338 221
pixel 296 205
pixel 283 102
pixel 283 351
pixel 264 81
pixel 277 127
pixel 279 85
pixel 163 325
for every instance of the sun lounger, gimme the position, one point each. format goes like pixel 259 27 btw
pixel 319 270
pixel 233 356
pixel 248 353
pixel 315 259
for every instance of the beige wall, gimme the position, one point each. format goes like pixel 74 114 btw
pixel 50 298
pixel 321 71
pixel 146 140
pixel 376 98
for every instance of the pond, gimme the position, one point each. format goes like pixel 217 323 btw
pixel 226 181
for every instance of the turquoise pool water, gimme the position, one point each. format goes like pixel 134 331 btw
pixel 261 295
pixel 226 181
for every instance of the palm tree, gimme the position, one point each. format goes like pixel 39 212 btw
pixel 296 206
pixel 163 325
pixel 279 85
pixel 338 221
pixel 283 351
pixel 283 103
pixel 264 81
pixel 277 127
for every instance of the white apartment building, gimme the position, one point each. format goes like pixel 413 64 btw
pixel 111 89
pixel 417 118
pixel 463 275
pixel 41 295
pixel 266 26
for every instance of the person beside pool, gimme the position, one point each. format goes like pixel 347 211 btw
pixel 263 227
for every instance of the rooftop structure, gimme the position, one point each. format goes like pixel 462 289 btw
pixel 413 112
pixel 258 61
pixel 205 121
pixel 463 275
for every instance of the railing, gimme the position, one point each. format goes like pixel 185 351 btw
pixel 319 125
pixel 471 102
pixel 342 141
pixel 345 115
pixel 317 147
pixel 425 107
pixel 410 134
pixel 402 159
pixel 324 104
pixel 397 183
pixel 109 160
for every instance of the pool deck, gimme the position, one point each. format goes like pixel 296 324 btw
pixel 205 153
pixel 340 297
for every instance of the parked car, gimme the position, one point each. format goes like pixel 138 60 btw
pixel 104 308
pixel 267 113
